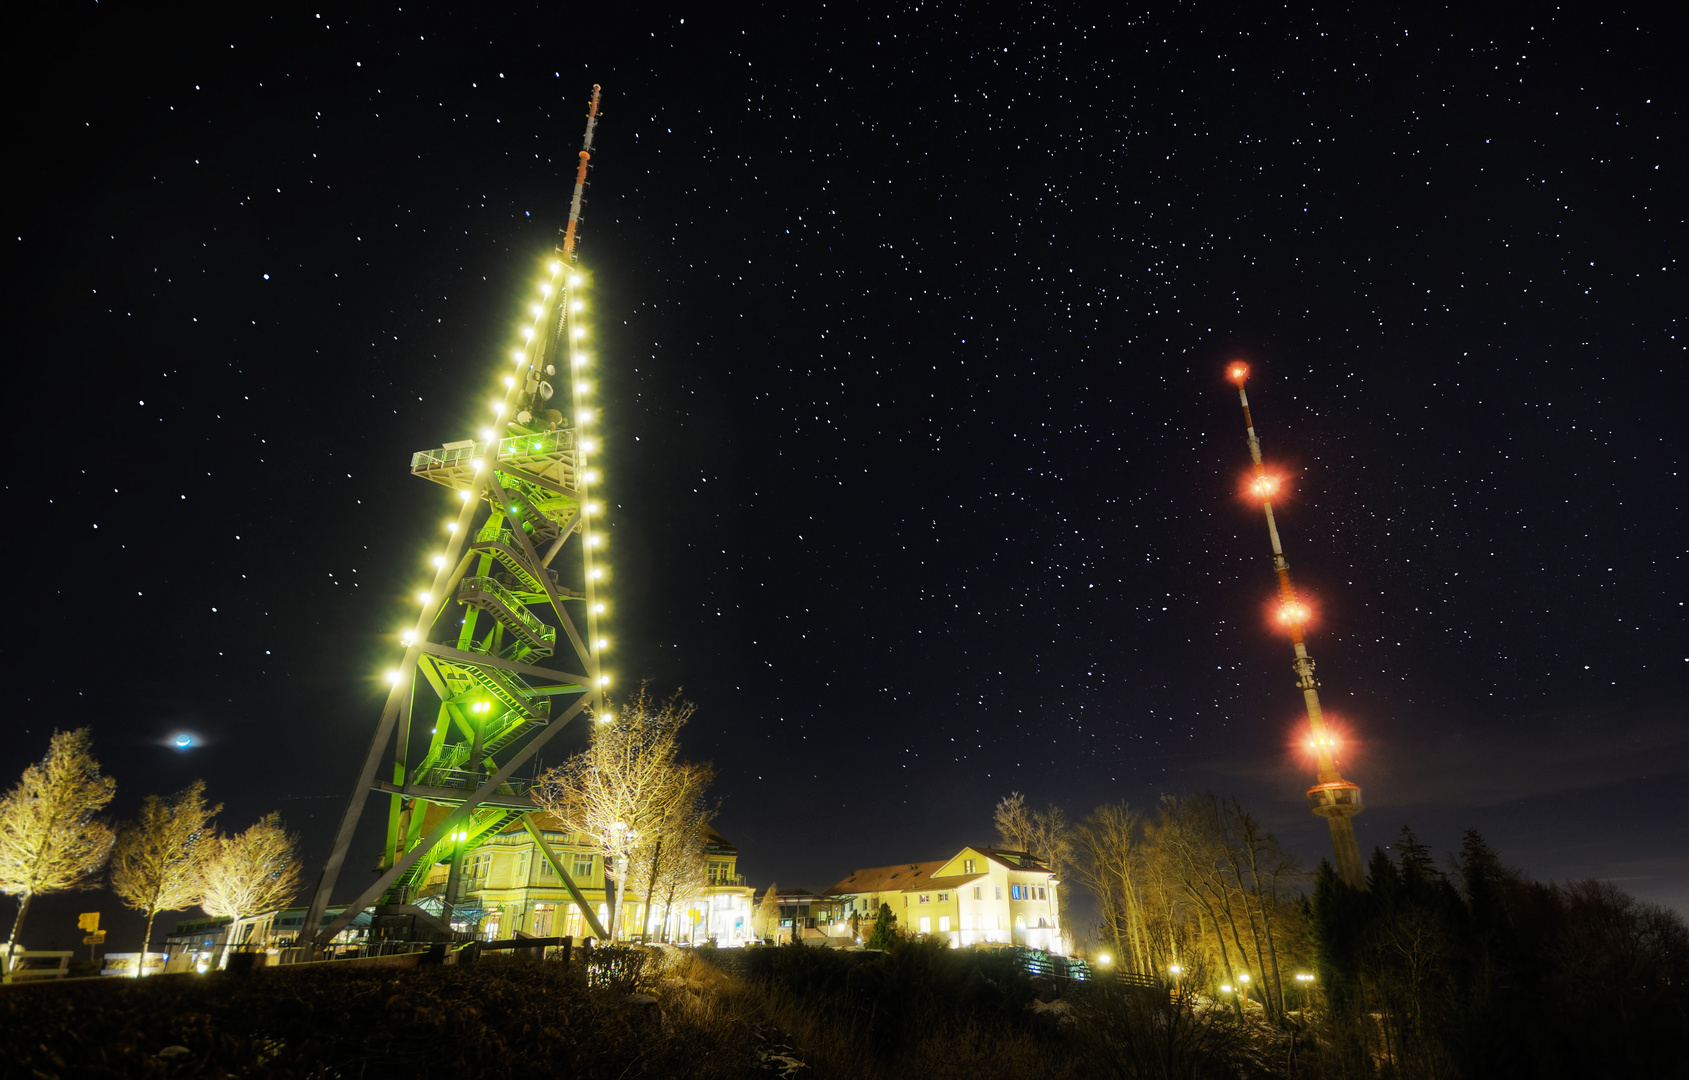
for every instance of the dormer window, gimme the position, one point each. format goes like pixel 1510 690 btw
pixel 967 866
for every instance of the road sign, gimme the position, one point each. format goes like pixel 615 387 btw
pixel 88 920
pixel 98 937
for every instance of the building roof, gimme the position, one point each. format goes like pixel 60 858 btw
pixel 878 879
pixel 1015 860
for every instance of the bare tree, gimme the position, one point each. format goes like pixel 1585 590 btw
pixel 682 875
pixel 1043 834
pixel 622 791
pixel 160 857
pixel 674 861
pixel 51 838
pixel 1108 844
pixel 1014 822
pixel 255 871
pixel 765 920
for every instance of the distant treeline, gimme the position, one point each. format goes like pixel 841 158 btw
pixel 1480 972
pixel 1469 971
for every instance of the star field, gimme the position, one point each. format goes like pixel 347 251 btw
pixel 921 470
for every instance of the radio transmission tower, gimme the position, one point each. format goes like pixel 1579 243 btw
pixel 505 647
pixel 1333 798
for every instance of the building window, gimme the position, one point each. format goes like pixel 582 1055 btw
pixel 582 866
pixel 967 866
pixel 1015 892
pixel 944 898
pixel 926 924
pixel 944 924
pixel 978 893
pixel 1041 895
pixel 999 892
pixel 546 869
pixel 475 868
pixel 926 898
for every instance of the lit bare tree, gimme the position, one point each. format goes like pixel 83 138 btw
pixel 1109 843
pixel 1043 834
pixel 673 856
pixel 677 868
pixel 623 788
pixel 765 920
pixel 51 838
pixel 254 871
pixel 1014 822
pixel 160 857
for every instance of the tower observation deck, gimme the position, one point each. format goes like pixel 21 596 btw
pixel 506 645
pixel 1333 798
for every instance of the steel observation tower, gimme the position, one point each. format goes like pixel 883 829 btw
pixel 506 644
pixel 1333 798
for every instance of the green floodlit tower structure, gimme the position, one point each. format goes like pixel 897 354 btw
pixel 505 649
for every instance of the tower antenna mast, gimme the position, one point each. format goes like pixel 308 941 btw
pixel 568 249
pixel 1333 798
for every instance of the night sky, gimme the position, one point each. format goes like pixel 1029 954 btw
pixel 921 467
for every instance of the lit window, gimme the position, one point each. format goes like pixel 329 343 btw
pixel 943 924
pixel 967 866
pixel 926 924
pixel 582 866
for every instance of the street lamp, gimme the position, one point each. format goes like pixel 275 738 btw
pixel 1307 981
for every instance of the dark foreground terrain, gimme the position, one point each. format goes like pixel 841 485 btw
pixel 916 1011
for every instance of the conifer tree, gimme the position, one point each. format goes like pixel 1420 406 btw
pixel 884 932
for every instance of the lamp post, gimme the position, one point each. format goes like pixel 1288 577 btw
pixel 1306 981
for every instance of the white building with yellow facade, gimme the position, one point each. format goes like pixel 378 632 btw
pixel 979 896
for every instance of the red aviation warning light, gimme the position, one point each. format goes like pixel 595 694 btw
pixel 1264 486
pixel 1293 613
pixel 1238 371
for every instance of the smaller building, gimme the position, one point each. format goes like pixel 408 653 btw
pixel 804 915
pixel 978 896
pixel 204 943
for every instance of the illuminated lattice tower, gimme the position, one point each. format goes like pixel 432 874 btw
pixel 1332 797
pixel 506 646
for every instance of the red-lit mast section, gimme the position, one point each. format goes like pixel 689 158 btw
pixel 568 248
pixel 1333 798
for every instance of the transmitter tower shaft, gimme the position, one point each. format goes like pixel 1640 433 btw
pixel 1333 798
